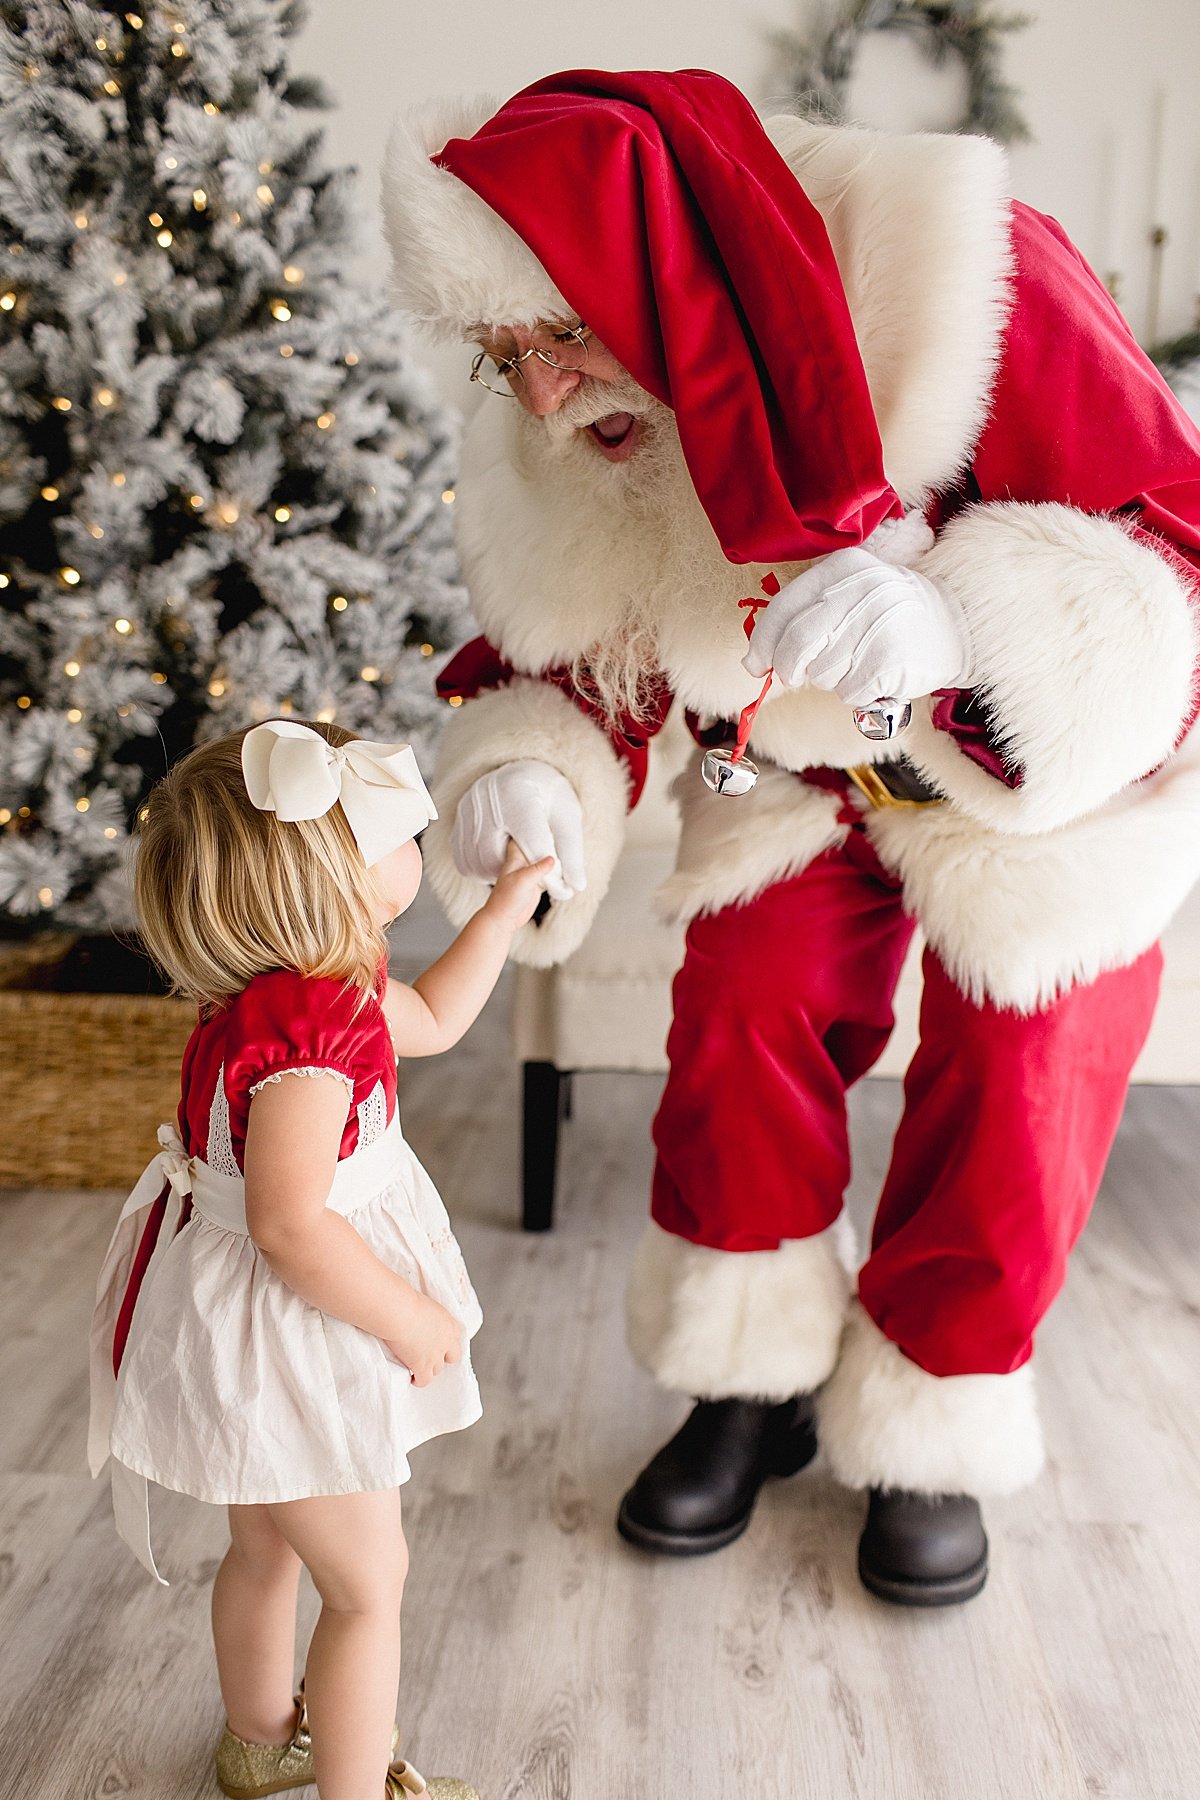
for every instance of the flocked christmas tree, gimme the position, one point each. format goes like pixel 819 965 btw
pixel 224 491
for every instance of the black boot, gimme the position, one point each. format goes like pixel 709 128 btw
pixel 923 1549
pixel 699 1491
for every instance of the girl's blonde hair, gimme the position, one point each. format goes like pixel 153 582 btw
pixel 226 892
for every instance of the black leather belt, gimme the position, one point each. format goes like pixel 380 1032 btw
pixel 894 783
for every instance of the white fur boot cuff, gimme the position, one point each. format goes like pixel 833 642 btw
pixel 885 1422
pixel 756 1324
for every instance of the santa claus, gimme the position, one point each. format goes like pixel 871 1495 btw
pixel 840 385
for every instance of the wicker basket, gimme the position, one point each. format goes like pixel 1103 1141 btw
pixel 85 1081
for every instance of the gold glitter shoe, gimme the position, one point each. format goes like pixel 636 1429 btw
pixel 246 1771
pixel 403 1780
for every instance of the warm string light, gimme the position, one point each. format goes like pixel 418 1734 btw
pixel 155 218
pixel 112 87
pixel 71 577
pixel 325 420
pixel 287 349
pixel 74 715
pixel 7 301
pixel 369 673
pixel 281 310
pixel 448 496
pixel 105 397
pixel 350 359
pixel 228 513
pixel 24 702
pixel 426 649
pixel 71 668
pixel 123 626
pixel 118 479
pixel 81 221
pixel 293 274
pixel 49 493
pixel 199 199
pixel 283 514
pixel 263 194
pixel 60 403
pixel 339 603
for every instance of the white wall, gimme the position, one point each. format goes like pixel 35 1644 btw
pixel 1097 77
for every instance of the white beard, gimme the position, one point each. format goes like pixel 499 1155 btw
pixel 619 671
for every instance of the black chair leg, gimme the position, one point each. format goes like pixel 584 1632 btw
pixel 546 1094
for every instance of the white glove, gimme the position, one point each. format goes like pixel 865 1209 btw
pixel 534 805
pixel 864 627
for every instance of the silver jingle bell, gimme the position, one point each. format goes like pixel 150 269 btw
pixel 725 776
pixel 882 719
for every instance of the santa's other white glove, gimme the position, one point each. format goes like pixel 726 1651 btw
pixel 864 627
pixel 534 805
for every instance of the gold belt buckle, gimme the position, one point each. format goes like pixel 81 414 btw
pixel 869 780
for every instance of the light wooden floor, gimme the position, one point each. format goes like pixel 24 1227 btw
pixel 547 1660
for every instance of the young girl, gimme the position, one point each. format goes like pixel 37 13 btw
pixel 284 1312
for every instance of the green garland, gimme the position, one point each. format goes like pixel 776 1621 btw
pixel 818 67
pixel 1176 353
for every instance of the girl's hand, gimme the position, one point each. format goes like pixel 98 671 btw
pixel 431 1339
pixel 513 901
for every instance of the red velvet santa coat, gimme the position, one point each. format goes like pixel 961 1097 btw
pixel 988 347
pixel 1015 410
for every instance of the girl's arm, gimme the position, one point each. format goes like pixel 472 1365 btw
pixel 292 1141
pixel 445 1001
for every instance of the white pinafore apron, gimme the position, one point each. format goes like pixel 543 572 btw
pixel 232 1388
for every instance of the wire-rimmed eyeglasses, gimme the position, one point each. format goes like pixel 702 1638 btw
pixel 561 346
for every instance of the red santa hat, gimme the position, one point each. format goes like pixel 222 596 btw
pixel 654 207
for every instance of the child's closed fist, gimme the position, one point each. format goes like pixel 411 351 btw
pixel 519 887
pixel 431 1338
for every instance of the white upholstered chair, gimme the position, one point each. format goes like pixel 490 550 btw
pixel 609 1005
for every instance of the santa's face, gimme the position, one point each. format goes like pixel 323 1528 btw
pixel 600 401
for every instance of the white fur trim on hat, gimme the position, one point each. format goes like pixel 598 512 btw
pixel 756 1324
pixel 885 1422
pixel 457 264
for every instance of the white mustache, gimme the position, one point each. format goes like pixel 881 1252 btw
pixel 597 400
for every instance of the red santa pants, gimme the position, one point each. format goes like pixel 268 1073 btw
pixel 1008 1119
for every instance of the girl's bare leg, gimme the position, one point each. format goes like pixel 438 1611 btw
pixel 254 1627
pixel 353 1547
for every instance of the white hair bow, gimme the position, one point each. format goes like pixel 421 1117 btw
pixel 292 771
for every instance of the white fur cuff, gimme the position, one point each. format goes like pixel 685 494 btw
pixel 755 1324
pixel 530 719
pixel 1085 650
pixel 885 1422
